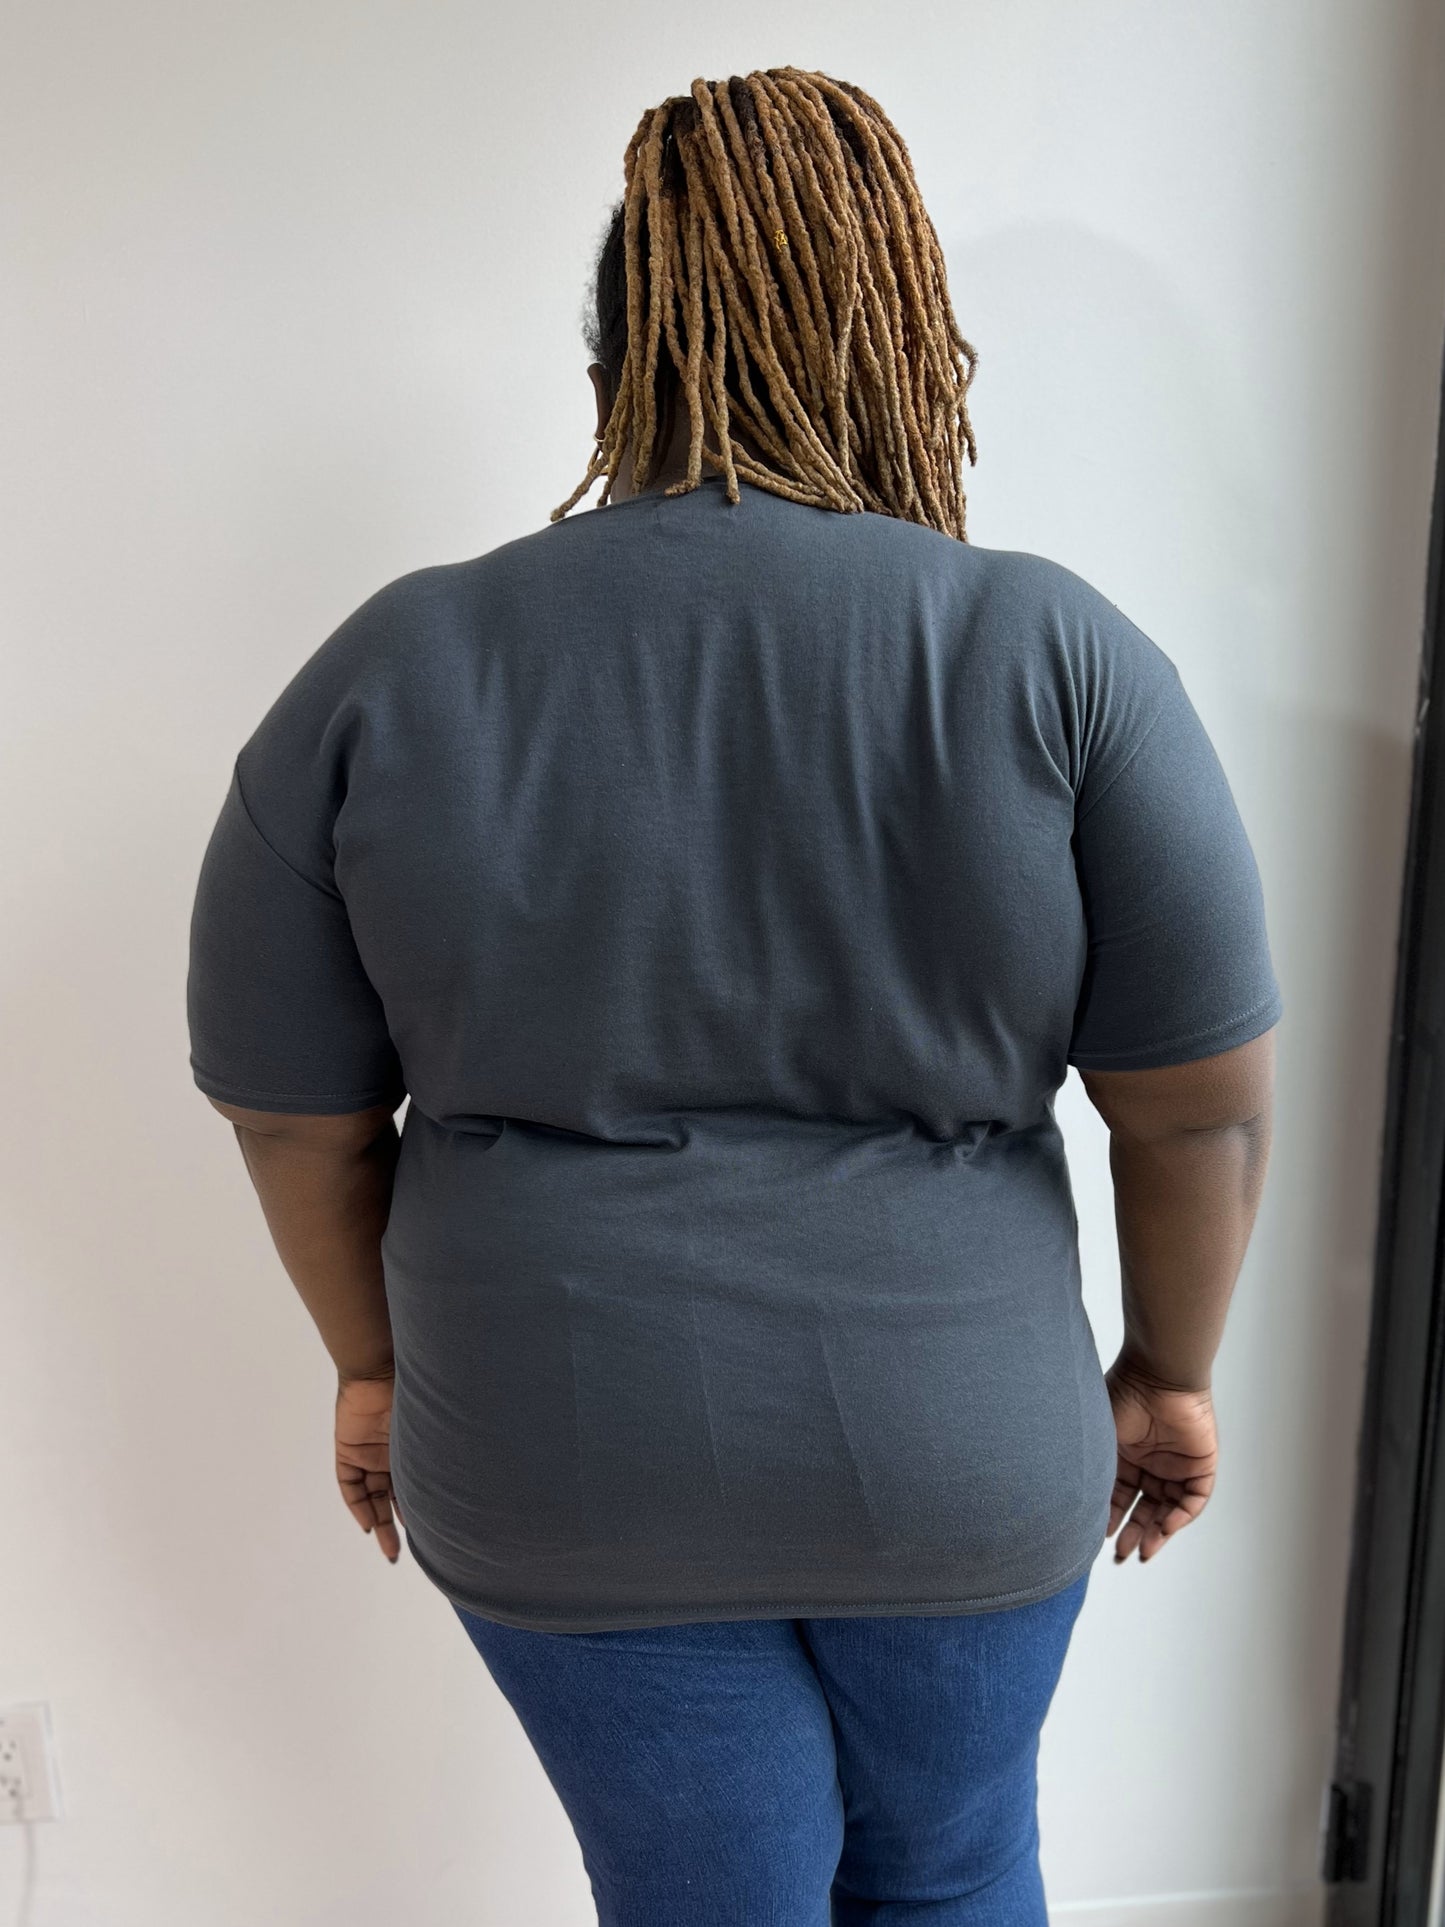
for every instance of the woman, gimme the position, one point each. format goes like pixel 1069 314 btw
pixel 729 876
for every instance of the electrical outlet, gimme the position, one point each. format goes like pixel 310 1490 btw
pixel 29 1789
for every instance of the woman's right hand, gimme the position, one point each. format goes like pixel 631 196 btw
pixel 1168 1456
pixel 363 1457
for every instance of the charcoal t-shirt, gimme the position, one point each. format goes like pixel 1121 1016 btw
pixel 728 889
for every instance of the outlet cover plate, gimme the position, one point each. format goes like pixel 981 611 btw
pixel 29 1786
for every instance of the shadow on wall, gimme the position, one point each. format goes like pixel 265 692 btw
pixel 1202 492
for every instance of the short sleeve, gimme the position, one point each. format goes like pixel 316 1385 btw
pixel 1178 964
pixel 282 1015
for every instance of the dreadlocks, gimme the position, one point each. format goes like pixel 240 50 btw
pixel 772 266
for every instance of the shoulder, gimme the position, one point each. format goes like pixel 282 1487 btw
pixel 1074 630
pixel 394 637
pixel 1020 586
pixel 1052 595
pixel 1090 679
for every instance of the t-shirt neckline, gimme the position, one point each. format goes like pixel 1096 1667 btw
pixel 661 495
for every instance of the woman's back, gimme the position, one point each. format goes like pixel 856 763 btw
pixel 730 887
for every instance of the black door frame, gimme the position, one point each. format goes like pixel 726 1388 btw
pixel 1381 1811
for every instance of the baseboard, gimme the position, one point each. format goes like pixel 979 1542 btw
pixel 1280 1907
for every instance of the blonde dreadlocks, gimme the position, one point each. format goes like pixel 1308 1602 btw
pixel 775 244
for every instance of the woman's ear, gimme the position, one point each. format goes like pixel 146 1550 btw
pixel 603 394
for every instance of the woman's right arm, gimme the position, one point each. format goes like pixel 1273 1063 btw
pixel 1188 1149
pixel 1172 1035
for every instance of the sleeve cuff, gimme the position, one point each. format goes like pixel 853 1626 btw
pixel 298 1104
pixel 1229 1035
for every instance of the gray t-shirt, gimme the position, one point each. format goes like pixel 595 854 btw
pixel 729 889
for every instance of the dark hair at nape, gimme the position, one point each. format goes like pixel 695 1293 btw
pixel 604 327
pixel 604 322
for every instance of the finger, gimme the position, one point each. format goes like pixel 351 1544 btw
pixel 1143 1524
pixel 1161 1507
pixel 1125 1492
pixel 1149 1517
pixel 352 1481
pixel 1143 1531
pixel 368 1495
pixel 1129 1533
pixel 387 1538
pixel 360 1510
pixel 1163 1520
pixel 378 1486
pixel 1173 1519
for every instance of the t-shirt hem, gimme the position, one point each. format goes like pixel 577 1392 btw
pixel 318 1104
pixel 800 1606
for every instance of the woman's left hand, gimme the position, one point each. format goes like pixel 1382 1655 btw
pixel 363 1457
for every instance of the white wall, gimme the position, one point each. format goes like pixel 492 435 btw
pixel 292 308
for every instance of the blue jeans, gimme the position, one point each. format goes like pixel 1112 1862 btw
pixel 798 1772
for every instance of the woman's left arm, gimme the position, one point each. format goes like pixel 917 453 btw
pixel 325 1189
